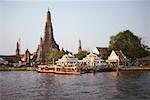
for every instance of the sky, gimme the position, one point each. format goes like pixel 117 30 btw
pixel 93 22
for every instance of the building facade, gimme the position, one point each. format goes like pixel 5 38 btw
pixel 92 60
pixel 117 57
pixel 68 60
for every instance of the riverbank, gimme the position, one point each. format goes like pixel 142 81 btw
pixel 128 68
pixel 136 68
pixel 131 68
pixel 9 68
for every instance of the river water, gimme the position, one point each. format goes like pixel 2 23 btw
pixel 30 85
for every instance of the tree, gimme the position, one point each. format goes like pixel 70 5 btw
pixel 80 55
pixel 54 55
pixel 129 43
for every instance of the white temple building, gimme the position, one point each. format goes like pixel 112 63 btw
pixel 117 56
pixel 93 60
pixel 67 60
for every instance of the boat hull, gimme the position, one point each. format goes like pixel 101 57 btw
pixel 68 73
pixel 44 71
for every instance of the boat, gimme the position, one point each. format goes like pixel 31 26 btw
pixel 68 64
pixel 45 69
pixel 57 69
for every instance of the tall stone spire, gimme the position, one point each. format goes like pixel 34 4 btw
pixel 39 51
pixel 79 46
pixel 17 49
pixel 48 40
pixel 27 57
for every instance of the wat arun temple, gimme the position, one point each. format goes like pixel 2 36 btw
pixel 39 56
pixel 47 42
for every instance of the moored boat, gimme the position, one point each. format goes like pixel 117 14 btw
pixel 57 69
pixel 68 64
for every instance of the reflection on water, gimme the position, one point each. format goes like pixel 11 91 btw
pixel 101 86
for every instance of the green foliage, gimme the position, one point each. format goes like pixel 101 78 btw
pixel 80 55
pixel 129 44
pixel 54 54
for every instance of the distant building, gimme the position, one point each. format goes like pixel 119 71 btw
pixel 48 42
pixel 79 46
pixel 12 60
pixel 18 59
pixel 67 60
pixel 93 60
pixel 3 61
pixel 116 56
pixel 144 61
pixel 100 51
